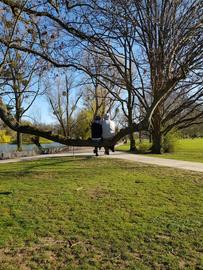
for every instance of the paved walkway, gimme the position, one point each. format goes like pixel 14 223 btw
pixel 178 164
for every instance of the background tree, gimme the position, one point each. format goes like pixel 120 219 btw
pixel 186 110
pixel 63 103
pixel 22 85
pixel 82 127
pixel 170 35
pixel 100 96
pixel 164 36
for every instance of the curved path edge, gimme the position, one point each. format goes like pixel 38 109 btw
pixel 173 163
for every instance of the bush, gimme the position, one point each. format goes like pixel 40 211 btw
pixel 4 138
pixel 144 147
pixel 170 142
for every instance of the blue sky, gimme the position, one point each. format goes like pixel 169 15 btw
pixel 41 111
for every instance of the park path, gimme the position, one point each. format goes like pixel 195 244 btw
pixel 173 163
pixel 178 164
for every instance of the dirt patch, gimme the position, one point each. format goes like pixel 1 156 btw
pixel 7 258
pixel 97 193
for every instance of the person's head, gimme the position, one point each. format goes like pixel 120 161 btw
pixel 97 118
pixel 106 116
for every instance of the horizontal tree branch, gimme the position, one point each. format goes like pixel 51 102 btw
pixel 10 121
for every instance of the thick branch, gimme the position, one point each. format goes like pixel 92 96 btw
pixel 9 120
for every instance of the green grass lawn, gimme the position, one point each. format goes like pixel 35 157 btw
pixel 45 141
pixel 88 213
pixel 186 149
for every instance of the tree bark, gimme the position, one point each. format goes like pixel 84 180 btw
pixel 36 141
pixel 156 142
pixel 131 134
pixel 19 141
pixel 10 121
pixel 156 133
pixel 140 136
pixel 132 142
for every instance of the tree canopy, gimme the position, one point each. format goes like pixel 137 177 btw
pixel 150 50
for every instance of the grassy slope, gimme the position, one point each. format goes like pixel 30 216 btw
pixel 98 214
pixel 45 141
pixel 187 149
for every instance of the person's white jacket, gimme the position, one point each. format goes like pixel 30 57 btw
pixel 108 127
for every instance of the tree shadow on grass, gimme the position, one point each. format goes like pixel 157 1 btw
pixel 55 161
pixel 30 167
pixel 5 193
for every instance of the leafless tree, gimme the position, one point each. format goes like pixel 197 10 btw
pixel 62 103
pixel 98 92
pixel 170 34
pixel 150 48
pixel 20 85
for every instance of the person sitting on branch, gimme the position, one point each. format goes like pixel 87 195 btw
pixel 108 131
pixel 96 130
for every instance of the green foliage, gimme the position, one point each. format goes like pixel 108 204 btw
pixel 82 126
pixel 144 146
pixel 4 138
pixel 27 139
pixel 81 213
pixel 170 142
pixel 45 141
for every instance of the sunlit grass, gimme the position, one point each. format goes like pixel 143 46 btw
pixel 80 213
pixel 186 149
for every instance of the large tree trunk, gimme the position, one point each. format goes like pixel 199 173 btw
pixel 131 135
pixel 156 133
pixel 156 142
pixel 132 142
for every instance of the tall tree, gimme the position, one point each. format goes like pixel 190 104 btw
pixel 21 86
pixel 62 102
pixel 171 39
pixel 100 96
pixel 153 45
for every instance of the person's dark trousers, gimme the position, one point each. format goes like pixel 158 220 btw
pixel 96 151
pixel 112 148
pixel 106 150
